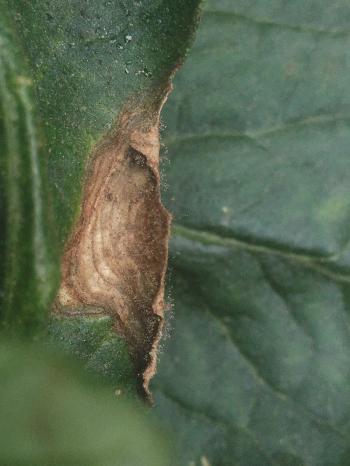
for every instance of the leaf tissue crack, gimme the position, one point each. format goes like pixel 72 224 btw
pixel 115 261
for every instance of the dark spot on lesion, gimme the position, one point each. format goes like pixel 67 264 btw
pixel 135 157
pixel 109 196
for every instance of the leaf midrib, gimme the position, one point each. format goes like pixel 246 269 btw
pixel 316 262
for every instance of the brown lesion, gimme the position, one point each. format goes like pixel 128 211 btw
pixel 116 259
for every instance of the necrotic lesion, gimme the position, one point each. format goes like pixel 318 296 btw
pixel 116 258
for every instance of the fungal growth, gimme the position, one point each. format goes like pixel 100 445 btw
pixel 115 261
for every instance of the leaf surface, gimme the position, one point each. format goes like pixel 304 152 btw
pixel 256 370
pixel 98 73
pixel 28 276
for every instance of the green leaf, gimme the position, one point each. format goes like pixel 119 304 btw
pixel 80 79
pixel 52 414
pixel 28 275
pixel 96 344
pixel 256 371
pixel 88 58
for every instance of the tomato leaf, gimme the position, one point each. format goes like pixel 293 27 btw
pixel 256 371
